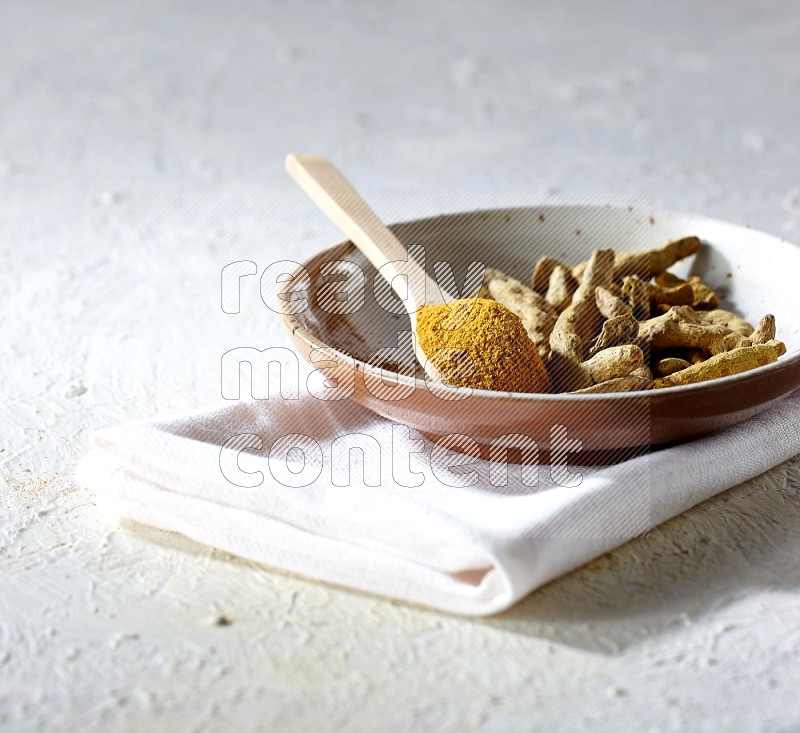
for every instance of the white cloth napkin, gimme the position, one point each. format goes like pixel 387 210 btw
pixel 472 550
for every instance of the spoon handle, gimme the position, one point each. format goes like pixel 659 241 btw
pixel 336 197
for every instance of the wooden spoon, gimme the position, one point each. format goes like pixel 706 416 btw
pixel 341 203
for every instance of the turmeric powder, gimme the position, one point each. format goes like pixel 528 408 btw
pixel 478 342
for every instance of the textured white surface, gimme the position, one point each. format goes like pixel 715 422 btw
pixel 141 149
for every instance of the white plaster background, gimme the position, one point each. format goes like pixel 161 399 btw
pixel 141 149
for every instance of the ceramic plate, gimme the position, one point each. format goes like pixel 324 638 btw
pixel 753 273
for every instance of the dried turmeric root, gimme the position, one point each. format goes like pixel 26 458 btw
pixel 620 314
pixel 650 262
pixel 560 288
pixel 703 297
pixel 726 318
pixel 617 361
pixel 615 331
pixel 577 325
pixel 537 315
pixel 540 279
pixel 667 365
pixel 724 364
pixel 631 383
pixel 765 330
pixel 681 328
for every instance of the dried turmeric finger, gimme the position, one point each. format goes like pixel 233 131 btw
pixel 577 324
pixel 636 293
pixel 537 315
pixel 693 356
pixel 617 361
pixel 599 273
pixel 765 330
pixel 643 372
pixel 725 364
pixel 489 274
pixel 609 305
pixel 680 327
pixel 667 365
pixel 727 319
pixel 668 280
pixel 561 288
pixel 631 383
pixel 617 330
pixel 648 263
pixel 652 262
pixel 565 364
pixel 681 294
pixel 540 279
pixel 703 297
pixel 582 318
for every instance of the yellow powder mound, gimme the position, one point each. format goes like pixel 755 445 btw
pixel 480 343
